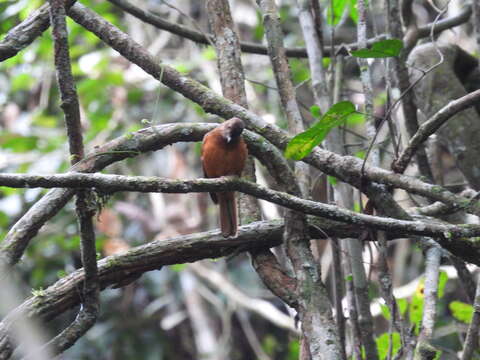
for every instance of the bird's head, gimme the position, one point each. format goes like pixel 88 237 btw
pixel 232 129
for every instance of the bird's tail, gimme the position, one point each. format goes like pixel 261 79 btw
pixel 228 213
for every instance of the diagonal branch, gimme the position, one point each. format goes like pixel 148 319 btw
pixel 433 124
pixel 120 270
pixel 22 35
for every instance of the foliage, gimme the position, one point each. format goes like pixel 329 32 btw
pixel 383 344
pixel 151 318
pixel 381 49
pixel 302 144
pixel 461 311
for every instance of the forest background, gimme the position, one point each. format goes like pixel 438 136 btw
pixel 359 240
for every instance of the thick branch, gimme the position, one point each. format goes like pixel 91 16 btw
pixel 27 31
pixel 120 270
pixel 450 234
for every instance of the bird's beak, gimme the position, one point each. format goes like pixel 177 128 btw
pixel 229 138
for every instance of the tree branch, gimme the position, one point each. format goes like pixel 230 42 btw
pixel 424 349
pixel 451 236
pixel 430 126
pixel 120 270
pixel 22 35
pixel 85 210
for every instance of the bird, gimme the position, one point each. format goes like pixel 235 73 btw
pixel 224 153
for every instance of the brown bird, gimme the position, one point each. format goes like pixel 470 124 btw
pixel 224 153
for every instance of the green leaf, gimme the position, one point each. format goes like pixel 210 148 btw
pixel 416 307
pixel 338 9
pixel 4 220
pixel 178 267
pixel 355 118
pixel 269 344
pixel 302 144
pixel 293 350
pixel 381 49
pixel 300 70
pixel 383 342
pixel 356 207
pixel 258 30
pixel 315 111
pixel 360 154
pixel 402 305
pixel 209 53
pixel 43 120
pixel 385 311
pixel 18 143
pixel 113 78
pixel 332 180
pixel 461 311
pixel 22 81
pixel 182 68
pixel 442 281
pixel 353 10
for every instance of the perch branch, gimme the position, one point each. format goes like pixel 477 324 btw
pixel 450 236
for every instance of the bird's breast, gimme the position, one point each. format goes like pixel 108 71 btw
pixel 221 159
